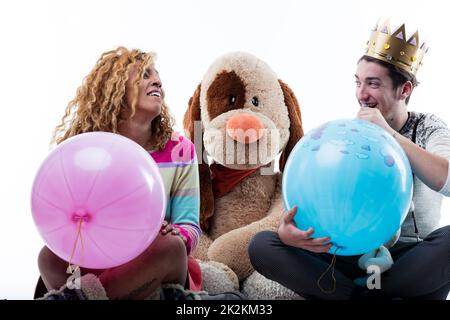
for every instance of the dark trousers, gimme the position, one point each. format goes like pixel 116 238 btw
pixel 421 270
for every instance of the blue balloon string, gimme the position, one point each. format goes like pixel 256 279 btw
pixel 331 266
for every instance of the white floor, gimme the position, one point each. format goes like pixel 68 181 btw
pixel 18 267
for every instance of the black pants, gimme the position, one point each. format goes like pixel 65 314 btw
pixel 421 270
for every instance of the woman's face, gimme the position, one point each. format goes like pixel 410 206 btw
pixel 150 95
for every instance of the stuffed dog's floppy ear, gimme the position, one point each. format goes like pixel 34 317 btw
pixel 192 115
pixel 295 118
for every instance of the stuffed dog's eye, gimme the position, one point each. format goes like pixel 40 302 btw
pixel 232 99
pixel 255 101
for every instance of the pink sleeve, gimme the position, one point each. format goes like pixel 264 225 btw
pixel 185 234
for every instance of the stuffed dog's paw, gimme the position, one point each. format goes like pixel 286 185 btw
pixel 218 277
pixel 379 257
pixel 258 287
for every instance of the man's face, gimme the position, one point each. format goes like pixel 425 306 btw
pixel 374 88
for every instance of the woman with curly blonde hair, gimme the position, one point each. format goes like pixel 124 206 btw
pixel 123 94
pixel 101 103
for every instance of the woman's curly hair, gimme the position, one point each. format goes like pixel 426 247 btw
pixel 100 100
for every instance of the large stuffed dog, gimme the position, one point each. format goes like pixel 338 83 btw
pixel 241 119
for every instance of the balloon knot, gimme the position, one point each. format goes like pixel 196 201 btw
pixel 81 215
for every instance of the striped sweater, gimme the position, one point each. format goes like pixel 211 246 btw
pixel 177 164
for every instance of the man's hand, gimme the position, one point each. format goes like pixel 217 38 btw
pixel 374 115
pixel 292 236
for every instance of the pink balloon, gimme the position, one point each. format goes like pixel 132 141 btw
pixel 113 185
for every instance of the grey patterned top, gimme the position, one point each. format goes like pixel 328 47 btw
pixel 433 135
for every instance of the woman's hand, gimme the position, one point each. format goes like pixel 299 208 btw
pixel 292 236
pixel 167 228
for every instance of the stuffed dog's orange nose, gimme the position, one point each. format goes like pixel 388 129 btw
pixel 245 128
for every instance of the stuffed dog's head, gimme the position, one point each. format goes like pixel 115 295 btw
pixel 248 115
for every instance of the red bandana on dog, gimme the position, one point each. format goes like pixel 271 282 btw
pixel 225 179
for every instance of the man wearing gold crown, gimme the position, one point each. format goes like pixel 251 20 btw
pixel 385 79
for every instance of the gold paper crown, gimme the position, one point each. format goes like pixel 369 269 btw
pixel 395 49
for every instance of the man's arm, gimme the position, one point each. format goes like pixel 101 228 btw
pixel 430 168
pixel 431 165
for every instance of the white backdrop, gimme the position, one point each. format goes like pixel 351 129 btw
pixel 47 47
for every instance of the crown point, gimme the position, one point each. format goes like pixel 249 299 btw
pixel 400 33
pixel 414 39
pixel 385 27
pixel 400 36
pixel 376 25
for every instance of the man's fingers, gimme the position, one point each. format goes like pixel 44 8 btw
pixel 323 240
pixel 290 215
pixel 301 235
pixel 317 249
pixel 315 245
pixel 307 233
pixel 288 219
pixel 321 249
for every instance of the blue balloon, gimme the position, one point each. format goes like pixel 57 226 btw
pixel 351 181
